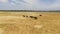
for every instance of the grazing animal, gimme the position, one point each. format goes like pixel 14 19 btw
pixel 40 15
pixel 33 17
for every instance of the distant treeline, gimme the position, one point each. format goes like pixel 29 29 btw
pixel 27 11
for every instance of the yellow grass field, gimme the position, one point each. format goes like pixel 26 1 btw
pixel 23 23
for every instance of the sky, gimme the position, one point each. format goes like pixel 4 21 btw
pixel 29 4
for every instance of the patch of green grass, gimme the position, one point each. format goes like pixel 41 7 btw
pixel 2 25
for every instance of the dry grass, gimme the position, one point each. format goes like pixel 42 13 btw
pixel 15 23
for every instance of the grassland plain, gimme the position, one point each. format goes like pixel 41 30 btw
pixel 23 23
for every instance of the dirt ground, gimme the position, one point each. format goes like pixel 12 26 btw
pixel 29 22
